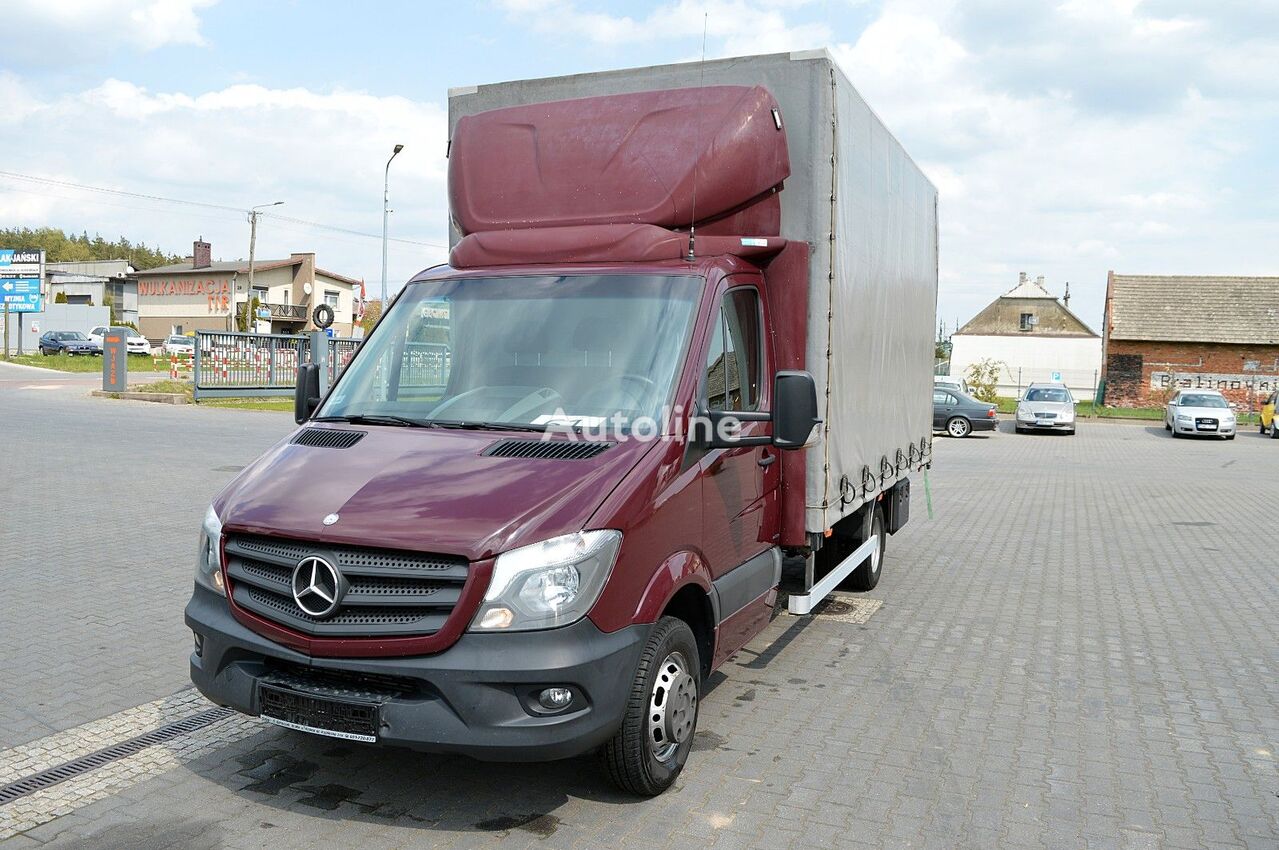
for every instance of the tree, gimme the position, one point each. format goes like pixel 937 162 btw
pixel 983 379
pixel 61 247
pixel 60 298
pixel 372 312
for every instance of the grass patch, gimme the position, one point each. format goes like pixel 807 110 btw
pixel 165 386
pixel 84 362
pixel 280 403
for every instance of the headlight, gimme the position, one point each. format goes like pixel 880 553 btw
pixel 548 584
pixel 1023 413
pixel 208 558
pixel 1068 415
pixel 1181 418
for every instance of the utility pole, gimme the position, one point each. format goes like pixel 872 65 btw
pixel 253 243
pixel 4 340
pixel 386 212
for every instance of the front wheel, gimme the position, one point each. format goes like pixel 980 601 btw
pixel 656 736
pixel 959 427
pixel 1274 428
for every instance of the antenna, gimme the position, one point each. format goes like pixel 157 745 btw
pixel 692 224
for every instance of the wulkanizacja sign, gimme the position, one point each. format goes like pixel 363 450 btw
pixel 216 292
pixel 1257 382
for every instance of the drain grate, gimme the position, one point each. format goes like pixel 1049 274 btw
pixel 69 770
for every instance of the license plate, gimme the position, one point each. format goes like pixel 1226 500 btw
pixel 350 721
pixel 1048 422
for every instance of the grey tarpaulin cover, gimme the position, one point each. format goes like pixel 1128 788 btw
pixel 876 277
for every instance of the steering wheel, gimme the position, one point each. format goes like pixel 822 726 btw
pixel 640 396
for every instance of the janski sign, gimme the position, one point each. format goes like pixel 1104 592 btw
pixel 216 292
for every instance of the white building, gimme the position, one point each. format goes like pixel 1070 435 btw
pixel 1033 336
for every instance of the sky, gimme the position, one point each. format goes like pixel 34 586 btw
pixel 1066 138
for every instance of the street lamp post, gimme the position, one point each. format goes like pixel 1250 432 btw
pixel 386 212
pixel 253 243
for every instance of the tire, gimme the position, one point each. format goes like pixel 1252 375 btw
pixel 644 758
pixel 1274 428
pixel 1231 437
pixel 1018 429
pixel 1261 427
pixel 1167 427
pixel 958 426
pixel 1070 433
pixel 867 574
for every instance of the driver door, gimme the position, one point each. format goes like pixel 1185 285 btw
pixel 739 485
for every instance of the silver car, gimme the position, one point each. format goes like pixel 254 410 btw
pixel 1045 407
pixel 1202 412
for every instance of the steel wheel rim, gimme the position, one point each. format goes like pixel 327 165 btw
pixel 672 707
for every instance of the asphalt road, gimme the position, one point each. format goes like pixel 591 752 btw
pixel 1078 649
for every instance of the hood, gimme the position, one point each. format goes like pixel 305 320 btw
pixel 420 489
pixel 1057 407
pixel 1205 412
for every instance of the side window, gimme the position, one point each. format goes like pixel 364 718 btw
pixel 940 397
pixel 734 359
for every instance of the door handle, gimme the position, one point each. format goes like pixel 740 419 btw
pixel 767 460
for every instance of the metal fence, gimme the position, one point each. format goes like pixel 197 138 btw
pixel 229 364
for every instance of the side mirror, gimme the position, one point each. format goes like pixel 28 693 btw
pixel 794 409
pixel 306 394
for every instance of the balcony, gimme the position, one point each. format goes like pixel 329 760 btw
pixel 290 312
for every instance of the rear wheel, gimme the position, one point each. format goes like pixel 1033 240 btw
pixel 866 576
pixel 1274 428
pixel 656 736
pixel 959 427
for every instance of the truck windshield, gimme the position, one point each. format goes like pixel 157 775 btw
pixel 535 351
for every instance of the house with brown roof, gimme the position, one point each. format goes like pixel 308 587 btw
pixel 199 294
pixel 1033 336
pixel 1168 332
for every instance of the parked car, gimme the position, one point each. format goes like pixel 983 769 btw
pixel 1202 412
pixel 949 382
pixel 1045 407
pixel 959 414
pixel 67 342
pixel 1268 423
pixel 136 342
pixel 178 344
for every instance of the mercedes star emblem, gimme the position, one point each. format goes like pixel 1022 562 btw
pixel 318 587
pixel 330 519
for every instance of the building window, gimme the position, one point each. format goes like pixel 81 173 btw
pixel 331 298
pixel 1028 321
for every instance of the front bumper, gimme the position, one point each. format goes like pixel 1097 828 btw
pixel 477 698
pixel 1191 428
pixel 1046 425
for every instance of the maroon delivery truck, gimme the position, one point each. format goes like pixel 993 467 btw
pixel 685 328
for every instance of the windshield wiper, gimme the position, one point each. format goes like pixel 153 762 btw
pixel 377 419
pixel 462 424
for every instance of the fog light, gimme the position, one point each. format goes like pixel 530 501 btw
pixel 217 581
pixel 199 644
pixel 553 699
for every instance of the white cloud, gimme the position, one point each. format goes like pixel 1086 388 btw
pixel 733 27
pixel 96 26
pixel 1054 172
pixel 321 152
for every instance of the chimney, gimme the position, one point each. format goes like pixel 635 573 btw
pixel 1039 281
pixel 1066 298
pixel 201 256
pixel 1021 278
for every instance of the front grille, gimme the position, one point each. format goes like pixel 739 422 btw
pixel 389 592
pixel 1045 416
pixel 1206 424
pixel 342 684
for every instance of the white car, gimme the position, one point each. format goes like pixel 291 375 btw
pixel 178 344
pixel 946 382
pixel 1202 412
pixel 136 343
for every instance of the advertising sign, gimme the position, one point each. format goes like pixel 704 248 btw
pixel 22 294
pixel 115 360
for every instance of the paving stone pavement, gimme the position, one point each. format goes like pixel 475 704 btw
pixel 1078 650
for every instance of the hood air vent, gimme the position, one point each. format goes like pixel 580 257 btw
pixel 546 449
pixel 327 438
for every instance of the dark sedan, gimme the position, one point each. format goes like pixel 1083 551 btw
pixel 68 342
pixel 959 414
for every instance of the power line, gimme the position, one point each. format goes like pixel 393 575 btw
pixel 65 184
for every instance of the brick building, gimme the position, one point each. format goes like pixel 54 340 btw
pixel 1167 332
